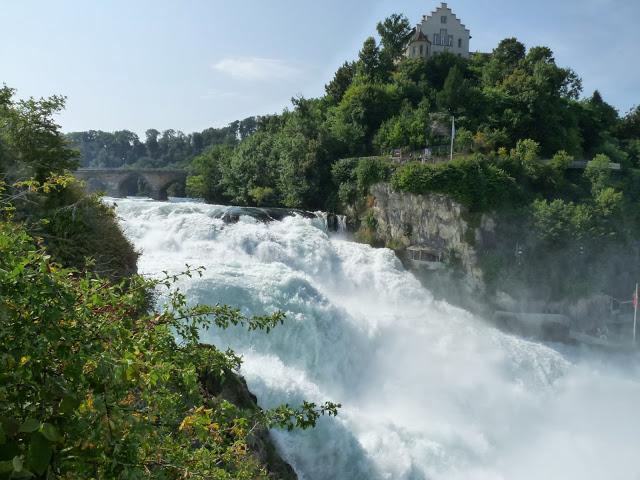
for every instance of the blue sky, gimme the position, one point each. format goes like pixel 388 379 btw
pixel 192 64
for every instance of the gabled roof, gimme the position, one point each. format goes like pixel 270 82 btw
pixel 444 6
pixel 418 36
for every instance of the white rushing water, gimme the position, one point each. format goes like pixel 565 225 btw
pixel 428 390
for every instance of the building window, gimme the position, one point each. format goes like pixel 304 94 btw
pixel 450 42
pixel 443 19
pixel 414 51
pixel 459 43
pixel 421 50
pixel 436 39
pixel 443 36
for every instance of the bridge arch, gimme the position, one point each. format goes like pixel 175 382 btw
pixel 124 182
pixel 134 184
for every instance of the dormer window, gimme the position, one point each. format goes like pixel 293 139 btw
pixel 443 19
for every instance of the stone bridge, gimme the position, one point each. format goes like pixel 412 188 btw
pixel 116 182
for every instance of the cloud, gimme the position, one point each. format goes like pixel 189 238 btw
pixel 257 69
pixel 216 94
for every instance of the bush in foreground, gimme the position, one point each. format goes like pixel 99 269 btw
pixel 93 385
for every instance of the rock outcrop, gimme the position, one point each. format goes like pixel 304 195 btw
pixel 468 243
pixel 235 390
pixel 435 222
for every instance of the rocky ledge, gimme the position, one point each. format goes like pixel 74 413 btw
pixel 235 390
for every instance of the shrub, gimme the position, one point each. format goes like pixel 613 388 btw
pixel 463 140
pixel 598 172
pixel 369 171
pixel 561 161
pixel 262 195
pixel 527 152
pixel 473 182
pixel 94 386
pixel 354 176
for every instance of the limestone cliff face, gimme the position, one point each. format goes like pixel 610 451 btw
pixel 487 249
pixel 434 222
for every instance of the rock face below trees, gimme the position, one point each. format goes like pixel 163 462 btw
pixel 235 390
pixel 468 243
pixel 436 223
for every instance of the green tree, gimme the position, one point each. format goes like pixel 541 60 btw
pixel 455 92
pixel 598 173
pixel 535 101
pixel 407 129
pixel 205 174
pixel 438 67
pixel 31 136
pixel 597 119
pixel 341 81
pixel 463 140
pixel 370 66
pixel 629 127
pixel 394 33
pixel 361 112
pixel 527 153
pixel 504 59
pixel 562 160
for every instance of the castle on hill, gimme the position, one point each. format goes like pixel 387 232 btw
pixel 440 31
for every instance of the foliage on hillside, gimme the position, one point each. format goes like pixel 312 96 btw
pixel 378 102
pixel 474 182
pixel 31 145
pixel 382 101
pixel 170 148
pixel 94 381
pixel 578 228
pixel 94 385
pixel 78 230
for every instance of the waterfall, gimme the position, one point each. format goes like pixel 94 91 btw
pixel 429 391
pixel 342 223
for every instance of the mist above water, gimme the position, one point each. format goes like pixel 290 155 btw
pixel 428 390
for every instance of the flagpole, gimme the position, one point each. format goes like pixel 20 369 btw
pixel 635 313
pixel 453 133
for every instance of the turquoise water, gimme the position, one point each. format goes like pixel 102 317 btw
pixel 428 390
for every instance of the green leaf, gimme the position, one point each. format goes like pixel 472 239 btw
pixel 29 425
pixel 9 450
pixel 6 467
pixel 50 432
pixel 23 474
pixel 39 454
pixel 9 425
pixel 69 404
pixel 17 464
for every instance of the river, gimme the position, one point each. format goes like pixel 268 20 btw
pixel 429 391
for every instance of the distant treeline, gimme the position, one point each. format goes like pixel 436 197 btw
pixel 382 101
pixel 170 148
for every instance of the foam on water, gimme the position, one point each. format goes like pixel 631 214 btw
pixel 428 390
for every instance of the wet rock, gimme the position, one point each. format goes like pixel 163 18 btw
pixel 234 390
pixel 233 214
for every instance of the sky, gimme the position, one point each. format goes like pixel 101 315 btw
pixel 194 64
